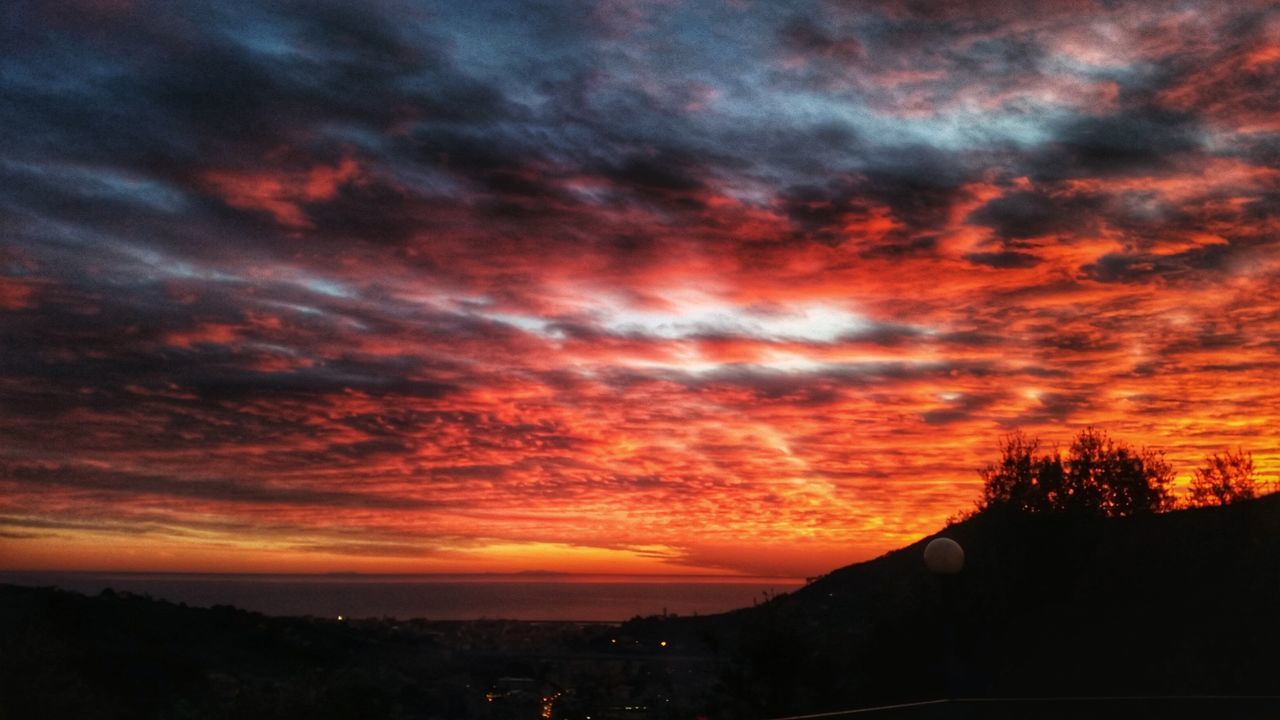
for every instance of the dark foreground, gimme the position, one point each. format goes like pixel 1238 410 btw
pixel 65 655
pixel 1178 708
pixel 1169 616
pixel 1174 605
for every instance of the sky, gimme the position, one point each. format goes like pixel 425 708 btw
pixel 685 286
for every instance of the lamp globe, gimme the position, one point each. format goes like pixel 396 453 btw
pixel 943 556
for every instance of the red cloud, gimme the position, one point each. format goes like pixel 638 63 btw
pixel 282 193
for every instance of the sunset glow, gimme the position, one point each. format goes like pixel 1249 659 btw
pixel 661 286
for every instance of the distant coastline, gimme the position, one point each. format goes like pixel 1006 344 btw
pixel 530 596
pixel 525 576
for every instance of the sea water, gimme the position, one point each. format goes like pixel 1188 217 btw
pixel 600 598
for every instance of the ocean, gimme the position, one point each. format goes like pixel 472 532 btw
pixel 588 598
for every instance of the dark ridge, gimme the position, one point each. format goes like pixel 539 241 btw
pixel 1181 603
pixel 1047 606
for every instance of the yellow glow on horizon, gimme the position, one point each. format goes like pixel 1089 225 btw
pixel 107 553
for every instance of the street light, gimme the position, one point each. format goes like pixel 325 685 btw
pixel 943 556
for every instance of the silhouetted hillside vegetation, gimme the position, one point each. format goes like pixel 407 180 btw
pixel 1180 603
pixel 121 656
pixel 65 655
pixel 1048 604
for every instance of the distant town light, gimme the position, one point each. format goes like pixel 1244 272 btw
pixel 339 618
pixel 663 643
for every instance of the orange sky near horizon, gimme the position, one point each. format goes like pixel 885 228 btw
pixel 698 287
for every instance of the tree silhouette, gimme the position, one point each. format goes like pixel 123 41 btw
pixel 1223 478
pixel 1098 476
pixel 1023 480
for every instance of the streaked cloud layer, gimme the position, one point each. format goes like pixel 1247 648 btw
pixel 730 285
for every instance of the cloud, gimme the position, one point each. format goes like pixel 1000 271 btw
pixel 1006 259
pixel 361 280
pixel 1022 215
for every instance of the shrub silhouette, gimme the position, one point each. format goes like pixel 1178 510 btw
pixel 1097 476
pixel 1223 478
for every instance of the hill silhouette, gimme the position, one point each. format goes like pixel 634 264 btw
pixel 1176 604
pixel 1181 603
pixel 118 655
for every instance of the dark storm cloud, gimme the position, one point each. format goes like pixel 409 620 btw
pixel 665 177
pixel 168 111
pixel 1142 267
pixel 210 84
pixel 917 187
pixel 1022 215
pixel 375 212
pixel 885 334
pixel 808 35
pixel 1140 140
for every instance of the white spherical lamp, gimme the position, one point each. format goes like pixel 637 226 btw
pixel 943 556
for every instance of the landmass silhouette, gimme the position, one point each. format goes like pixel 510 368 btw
pixel 1163 605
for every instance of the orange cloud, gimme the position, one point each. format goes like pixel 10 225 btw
pixel 282 194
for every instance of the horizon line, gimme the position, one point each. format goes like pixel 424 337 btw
pixel 533 574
